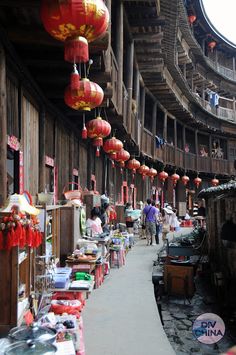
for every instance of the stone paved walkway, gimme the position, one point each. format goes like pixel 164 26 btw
pixel 121 317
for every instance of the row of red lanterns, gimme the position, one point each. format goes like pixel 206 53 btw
pixel 77 23
pixel 211 43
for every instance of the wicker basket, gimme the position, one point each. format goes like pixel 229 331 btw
pixel 73 194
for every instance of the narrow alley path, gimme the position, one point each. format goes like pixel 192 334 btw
pixel 121 317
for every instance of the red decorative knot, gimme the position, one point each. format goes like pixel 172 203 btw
pixel 79 21
pixel 84 133
pixel 175 177
pixel 122 156
pixel 88 96
pixel 215 182
pixel 197 181
pixel 185 179
pixel 152 173
pixel 163 176
pixel 98 142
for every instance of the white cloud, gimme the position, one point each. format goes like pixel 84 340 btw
pixel 222 15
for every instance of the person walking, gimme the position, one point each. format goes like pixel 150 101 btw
pixel 157 221
pixel 166 220
pixel 150 212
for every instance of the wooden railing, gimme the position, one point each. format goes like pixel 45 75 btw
pixel 190 161
pixel 170 154
pixel 179 158
pixel 220 166
pixel 222 112
pixel 114 80
pixel 204 164
pixel 227 72
pixel 147 142
pixel 124 105
pixel 232 170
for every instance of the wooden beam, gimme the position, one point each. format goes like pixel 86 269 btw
pixel 120 49
pixel 42 153
pixel 3 128
pixel 140 9
pixel 147 22
pixel 147 36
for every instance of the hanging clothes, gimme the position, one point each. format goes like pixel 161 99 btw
pixel 214 99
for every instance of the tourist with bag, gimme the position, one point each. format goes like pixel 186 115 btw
pixel 150 212
pixel 166 219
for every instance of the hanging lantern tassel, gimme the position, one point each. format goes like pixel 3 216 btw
pixel 75 79
pixel 121 171
pixel 84 130
pixel 98 152
pixel 113 164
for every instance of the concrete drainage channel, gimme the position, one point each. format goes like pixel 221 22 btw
pixel 178 315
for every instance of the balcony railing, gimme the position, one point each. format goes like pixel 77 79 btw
pixel 190 161
pixel 179 158
pixel 222 112
pixel 114 80
pixel 170 154
pixel 147 142
pixel 227 72
pixel 204 164
pixel 220 166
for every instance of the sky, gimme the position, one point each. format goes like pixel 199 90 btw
pixel 222 15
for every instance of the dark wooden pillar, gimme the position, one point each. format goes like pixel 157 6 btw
pixel 175 138
pixel 108 51
pixel 210 151
pixel 154 127
pixel 184 143
pixel 234 66
pixel 136 89
pixel 165 127
pixel 3 128
pixel 129 85
pixel 42 153
pixel 196 149
pixel 142 111
pixel 120 49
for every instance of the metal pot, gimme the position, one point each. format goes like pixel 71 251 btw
pixel 30 348
pixel 33 333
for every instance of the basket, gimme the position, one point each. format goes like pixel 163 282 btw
pixel 46 198
pixel 73 194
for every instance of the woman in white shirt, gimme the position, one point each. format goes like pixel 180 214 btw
pixel 94 224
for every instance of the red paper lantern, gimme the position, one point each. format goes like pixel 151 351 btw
pixel 122 156
pixel 152 173
pixel 163 176
pixel 65 19
pixel 133 165
pixel 215 182
pixel 98 128
pixel 185 179
pixel 76 50
pixel 192 19
pixel 112 145
pixel 175 178
pixel 143 170
pixel 212 45
pixel 197 181
pixel 88 96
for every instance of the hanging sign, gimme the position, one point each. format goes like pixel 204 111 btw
pixel 13 142
pixel 49 161
pixel 21 172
